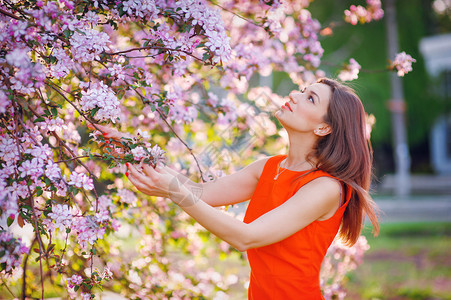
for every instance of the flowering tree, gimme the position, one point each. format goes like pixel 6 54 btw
pixel 177 70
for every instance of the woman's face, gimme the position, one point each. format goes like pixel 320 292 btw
pixel 306 110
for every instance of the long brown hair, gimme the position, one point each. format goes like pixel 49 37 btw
pixel 346 154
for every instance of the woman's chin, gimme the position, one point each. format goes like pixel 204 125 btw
pixel 278 113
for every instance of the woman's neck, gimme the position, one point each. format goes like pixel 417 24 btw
pixel 299 149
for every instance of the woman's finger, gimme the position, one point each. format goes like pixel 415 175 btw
pixel 137 183
pixel 139 176
pixel 150 171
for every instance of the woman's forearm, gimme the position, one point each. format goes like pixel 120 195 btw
pixel 224 226
pixel 183 179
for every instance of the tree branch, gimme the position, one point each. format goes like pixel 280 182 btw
pixel 238 15
pixel 9 14
pixel 163 116
pixel 156 48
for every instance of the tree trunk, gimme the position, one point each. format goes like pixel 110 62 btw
pixel 397 107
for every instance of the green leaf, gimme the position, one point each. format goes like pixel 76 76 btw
pixel 67 33
pixel 50 248
pixel 9 221
pixel 40 119
pixel 94 111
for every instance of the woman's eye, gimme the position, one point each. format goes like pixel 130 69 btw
pixel 310 98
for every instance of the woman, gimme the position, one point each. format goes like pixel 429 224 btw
pixel 299 201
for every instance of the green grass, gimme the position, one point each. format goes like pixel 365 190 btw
pixel 406 261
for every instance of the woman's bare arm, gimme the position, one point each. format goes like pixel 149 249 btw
pixel 227 190
pixel 316 199
pixel 231 189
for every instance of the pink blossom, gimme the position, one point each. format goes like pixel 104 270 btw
pixel 52 171
pixel 118 71
pixel 9 149
pixel 180 113
pixel 85 296
pixel 351 71
pixel 33 168
pixel 51 124
pixel 19 58
pixel 127 196
pixel 145 9
pixel 138 153
pixel 87 45
pixel 62 216
pixel 373 11
pixel 92 18
pixel 100 96
pixel 42 153
pixel 13 250
pixel 8 200
pixel 4 102
pixel 403 63
pixel 107 274
pixel 81 180
pixel 64 64
pixel 88 230
pixel 210 20
pixel 74 280
pixel 18 189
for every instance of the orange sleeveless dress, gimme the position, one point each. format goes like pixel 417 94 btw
pixel 289 269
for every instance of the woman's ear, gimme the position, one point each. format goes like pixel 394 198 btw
pixel 323 130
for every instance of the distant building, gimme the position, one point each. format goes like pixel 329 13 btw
pixel 436 51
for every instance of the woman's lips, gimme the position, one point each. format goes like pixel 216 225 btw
pixel 287 106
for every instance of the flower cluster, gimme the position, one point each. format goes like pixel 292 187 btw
pixel 372 11
pixel 81 180
pixel 154 153
pixel 88 43
pixel 74 280
pixel 351 71
pixel 403 63
pixel 86 228
pixel 11 253
pixel 101 98
pixel 144 9
pixel 310 44
pixel 29 75
pixel 340 260
pixel 197 12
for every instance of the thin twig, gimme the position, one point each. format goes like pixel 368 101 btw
pixel 55 88
pixel 163 116
pixel 238 15
pixel 70 159
pixel 153 47
pixel 9 14
pixel 33 217
pixel 12 294
pixel 51 85
pixel 24 275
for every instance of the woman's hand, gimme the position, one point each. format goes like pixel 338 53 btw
pixel 110 133
pixel 161 183
pixel 113 134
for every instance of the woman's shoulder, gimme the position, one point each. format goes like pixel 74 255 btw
pixel 259 165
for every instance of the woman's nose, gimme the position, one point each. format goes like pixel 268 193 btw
pixel 293 96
